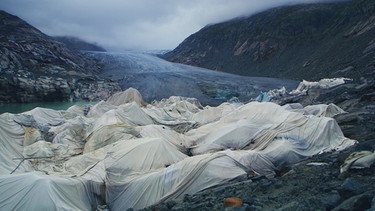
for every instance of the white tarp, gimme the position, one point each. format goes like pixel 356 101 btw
pixel 130 114
pixel 138 156
pixel 329 110
pixel 133 156
pixel 253 123
pixel 127 96
pixel 35 191
pixel 185 177
pixel 11 145
pixel 108 134
pixel 324 83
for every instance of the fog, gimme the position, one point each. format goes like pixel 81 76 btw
pixel 133 24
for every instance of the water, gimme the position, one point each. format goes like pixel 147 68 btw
pixel 16 108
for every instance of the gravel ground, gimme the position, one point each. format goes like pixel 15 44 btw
pixel 313 184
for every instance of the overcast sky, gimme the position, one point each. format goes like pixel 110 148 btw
pixel 133 24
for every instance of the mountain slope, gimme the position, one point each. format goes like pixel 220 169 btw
pixel 298 42
pixel 75 43
pixel 35 67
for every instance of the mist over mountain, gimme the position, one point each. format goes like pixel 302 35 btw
pixel 307 41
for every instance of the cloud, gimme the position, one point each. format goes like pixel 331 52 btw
pixel 132 24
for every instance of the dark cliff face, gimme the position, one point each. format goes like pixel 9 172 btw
pixel 35 67
pixel 298 42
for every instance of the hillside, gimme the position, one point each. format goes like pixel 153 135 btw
pixel 35 67
pixel 75 43
pixel 297 42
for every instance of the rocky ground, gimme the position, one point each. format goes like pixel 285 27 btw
pixel 315 183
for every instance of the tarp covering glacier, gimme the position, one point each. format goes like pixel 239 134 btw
pixel 131 155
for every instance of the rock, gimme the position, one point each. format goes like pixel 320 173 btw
pixel 233 202
pixel 332 200
pixel 35 67
pixel 311 203
pixel 358 202
pixel 187 198
pixel 350 187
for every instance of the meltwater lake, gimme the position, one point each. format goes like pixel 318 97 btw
pixel 16 108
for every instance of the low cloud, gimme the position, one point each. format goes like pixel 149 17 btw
pixel 133 24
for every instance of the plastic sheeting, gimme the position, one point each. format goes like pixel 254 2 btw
pixel 34 191
pixel 254 123
pixel 329 110
pixel 108 134
pixel 358 160
pixel 130 114
pixel 128 156
pixel 186 177
pixel 127 96
pixel 325 83
pixel 138 156
pixel 11 145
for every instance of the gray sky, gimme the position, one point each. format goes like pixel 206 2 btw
pixel 133 24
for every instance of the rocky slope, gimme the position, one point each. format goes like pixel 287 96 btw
pixel 75 43
pixel 308 42
pixel 35 67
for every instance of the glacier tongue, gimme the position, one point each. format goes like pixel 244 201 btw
pixel 156 78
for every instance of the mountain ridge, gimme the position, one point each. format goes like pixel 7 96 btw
pixel 310 42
